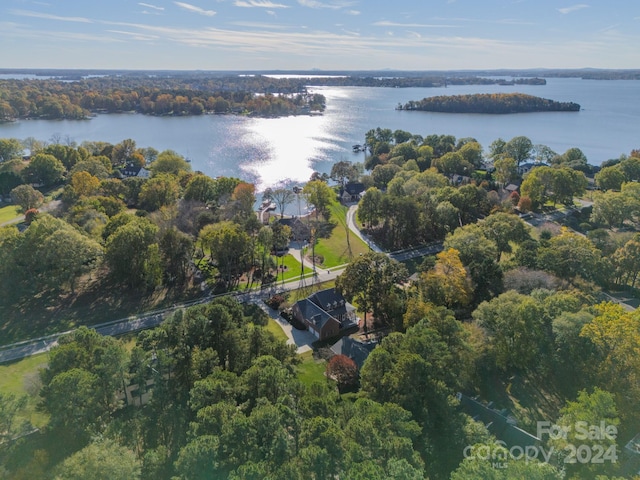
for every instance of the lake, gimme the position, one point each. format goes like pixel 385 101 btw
pixel 270 150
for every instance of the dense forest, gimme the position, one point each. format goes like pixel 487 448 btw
pixel 73 96
pixel 53 98
pixel 507 312
pixel 489 103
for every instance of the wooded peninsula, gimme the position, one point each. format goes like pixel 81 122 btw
pixel 489 103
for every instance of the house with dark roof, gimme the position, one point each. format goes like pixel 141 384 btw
pixel 357 350
pixel 325 313
pixel 352 192
pixel 131 170
pixel 300 231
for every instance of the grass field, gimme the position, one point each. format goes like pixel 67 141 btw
pixel 292 269
pixel 335 249
pixel 310 370
pixel 8 213
pixel 277 331
pixel 22 378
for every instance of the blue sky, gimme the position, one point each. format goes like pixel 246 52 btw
pixel 324 34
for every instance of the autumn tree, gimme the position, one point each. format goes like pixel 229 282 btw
pixel 84 184
pixel 612 209
pixel 369 280
pixel 123 151
pixel 506 170
pixel 569 255
pixel 610 178
pixel 26 197
pixel 99 167
pixel 589 410
pixel 132 253
pixel 171 162
pixel 472 152
pixel 517 328
pixel 10 148
pixel 200 188
pixel 44 169
pixel 573 158
pixel 80 382
pixel 504 229
pixel 615 334
pixel 447 283
pixel 242 201
pixel 159 191
pixel 176 249
pixel 478 254
pixel 344 370
pixel 229 246
pixel 320 195
pixel 518 148
pixel 282 197
pixel 343 171
pixel 453 163
pixel 370 207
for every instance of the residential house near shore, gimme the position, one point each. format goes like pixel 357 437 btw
pixel 325 313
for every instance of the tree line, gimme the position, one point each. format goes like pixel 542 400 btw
pixel 53 99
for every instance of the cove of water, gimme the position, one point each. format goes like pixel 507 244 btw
pixel 269 150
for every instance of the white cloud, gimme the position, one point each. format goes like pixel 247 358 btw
pixel 194 9
pixel 258 4
pixel 353 12
pixel 134 35
pixel 268 26
pixel 47 16
pixel 335 5
pixel 411 25
pixel 572 8
pixel 148 5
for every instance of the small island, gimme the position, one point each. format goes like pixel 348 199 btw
pixel 495 103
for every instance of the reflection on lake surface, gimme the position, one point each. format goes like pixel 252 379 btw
pixel 269 150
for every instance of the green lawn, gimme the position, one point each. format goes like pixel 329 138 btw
pixel 334 249
pixel 8 213
pixel 310 370
pixel 292 267
pixel 22 378
pixel 276 329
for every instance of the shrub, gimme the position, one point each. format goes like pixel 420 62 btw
pixel 344 371
pixel 275 301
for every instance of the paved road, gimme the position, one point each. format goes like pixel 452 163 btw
pixel 19 350
pixel 303 340
pixel 351 213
